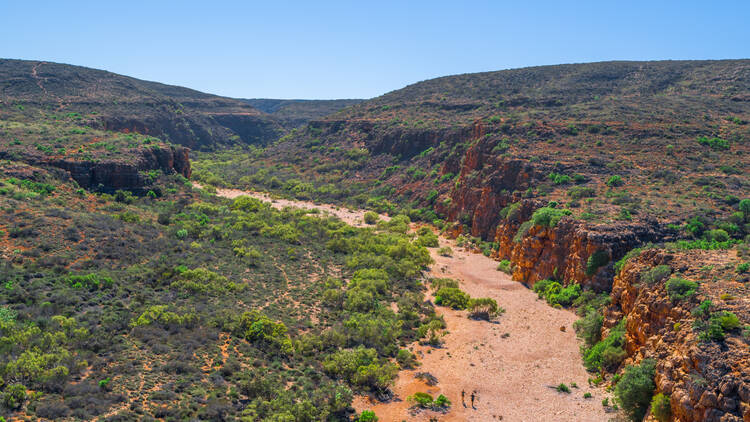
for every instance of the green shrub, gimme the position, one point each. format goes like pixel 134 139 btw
pixel 428 240
pixel 615 181
pixel 589 328
pixel 406 359
pixel 559 179
pixel 635 389
pixel 579 192
pixel 425 401
pixel 680 289
pixel 596 260
pixel 562 388
pixel 445 251
pixel 367 416
pixel 14 396
pixel 421 399
pixel 744 207
pixel 91 281
pixel 504 266
pixel 656 274
pixel 439 283
pixel 548 216
pixel 511 211
pixel 661 408
pixel 522 230
pixel 607 353
pixel 743 268
pixel 371 217
pixel 258 328
pixel 714 143
pixel 483 308
pixel 555 294
pixel 442 401
pixel 624 260
pixel 718 235
pixel 452 297
pixel 361 368
pixel 158 314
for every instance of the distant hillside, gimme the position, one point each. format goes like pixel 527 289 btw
pixel 108 101
pixel 623 147
pixel 296 113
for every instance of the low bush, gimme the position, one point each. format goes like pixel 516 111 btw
pixel 425 401
pixel 14 396
pixel 371 217
pixel 91 281
pixel 661 408
pixel 681 289
pixel 589 328
pixel 445 251
pixel 714 143
pixel 607 353
pixel 580 192
pixel 559 179
pixel 367 416
pixel 596 260
pixel 439 283
pixel 548 216
pixel 428 240
pixel 406 359
pixel 362 368
pixel 452 297
pixel 484 308
pixel 504 266
pixel 615 181
pixel 555 294
pixel 635 389
pixel 656 274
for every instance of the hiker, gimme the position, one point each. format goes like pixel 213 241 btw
pixel 472 399
pixel 463 395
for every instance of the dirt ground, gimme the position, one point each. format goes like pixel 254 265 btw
pixel 511 364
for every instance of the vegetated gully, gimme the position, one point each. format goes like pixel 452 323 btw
pixel 512 365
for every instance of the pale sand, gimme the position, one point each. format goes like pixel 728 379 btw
pixel 512 376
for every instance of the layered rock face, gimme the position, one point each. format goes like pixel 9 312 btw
pixel 707 381
pixel 489 182
pixel 122 173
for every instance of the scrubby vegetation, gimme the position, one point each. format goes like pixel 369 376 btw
pixel 448 293
pixel 194 275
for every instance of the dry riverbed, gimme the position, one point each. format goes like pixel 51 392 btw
pixel 512 364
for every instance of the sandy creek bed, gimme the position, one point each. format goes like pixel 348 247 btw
pixel 510 363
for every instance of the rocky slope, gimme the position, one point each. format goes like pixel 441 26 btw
pixel 129 172
pixel 114 102
pixel 707 380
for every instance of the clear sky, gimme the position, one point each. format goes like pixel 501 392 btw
pixel 359 49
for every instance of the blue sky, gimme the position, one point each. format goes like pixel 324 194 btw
pixel 359 49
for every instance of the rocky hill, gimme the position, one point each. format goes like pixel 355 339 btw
pixel 111 102
pixel 296 113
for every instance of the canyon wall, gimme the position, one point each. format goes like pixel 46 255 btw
pixel 122 173
pixel 707 381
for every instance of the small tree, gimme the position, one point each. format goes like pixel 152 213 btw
pixel 371 218
pixel 661 408
pixel 367 416
pixel 635 388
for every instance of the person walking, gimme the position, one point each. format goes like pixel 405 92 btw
pixel 472 399
pixel 463 397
